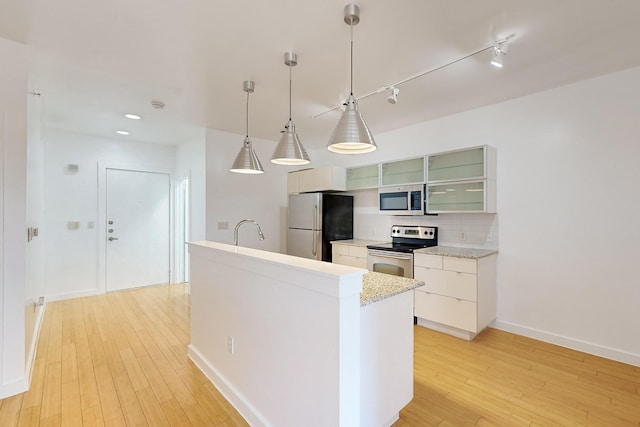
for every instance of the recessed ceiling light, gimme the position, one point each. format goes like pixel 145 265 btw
pixel 123 132
pixel 132 116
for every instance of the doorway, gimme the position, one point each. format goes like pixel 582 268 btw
pixel 182 231
pixel 137 225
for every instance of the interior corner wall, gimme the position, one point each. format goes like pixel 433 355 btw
pixel 567 207
pixel 35 215
pixel 232 197
pixel 191 162
pixel 71 265
pixel 13 165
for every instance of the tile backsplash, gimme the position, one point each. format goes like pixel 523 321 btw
pixel 474 230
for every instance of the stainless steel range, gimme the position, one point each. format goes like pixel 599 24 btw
pixel 397 257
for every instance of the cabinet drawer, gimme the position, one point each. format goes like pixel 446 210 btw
pixel 357 251
pixel 463 265
pixel 430 261
pixel 448 283
pixel 339 249
pixel 349 260
pixel 448 311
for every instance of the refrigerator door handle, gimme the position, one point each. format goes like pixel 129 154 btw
pixel 315 223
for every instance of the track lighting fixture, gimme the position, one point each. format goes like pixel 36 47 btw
pixel 247 161
pixel 499 51
pixel 393 95
pixel 289 150
pixel 351 135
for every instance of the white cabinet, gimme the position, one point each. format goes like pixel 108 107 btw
pixel 462 181
pixel 459 295
pixel 363 177
pixel 326 178
pixel 410 171
pixel 355 256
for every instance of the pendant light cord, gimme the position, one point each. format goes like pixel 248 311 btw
pixel 247 121
pixel 289 93
pixel 351 28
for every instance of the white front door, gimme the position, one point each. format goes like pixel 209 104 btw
pixel 137 229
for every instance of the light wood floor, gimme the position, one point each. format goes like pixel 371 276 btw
pixel 120 359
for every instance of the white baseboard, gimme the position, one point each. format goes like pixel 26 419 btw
pixel 586 347
pixel 237 399
pixel 14 387
pixel 33 348
pixel 71 295
pixel 458 333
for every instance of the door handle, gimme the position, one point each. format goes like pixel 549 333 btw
pixel 315 224
pixel 112 238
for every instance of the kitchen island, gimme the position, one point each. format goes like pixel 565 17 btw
pixel 291 341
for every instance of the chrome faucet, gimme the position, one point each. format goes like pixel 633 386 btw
pixel 235 232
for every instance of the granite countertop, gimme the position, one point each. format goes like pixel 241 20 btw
pixel 456 252
pixel 379 286
pixel 358 242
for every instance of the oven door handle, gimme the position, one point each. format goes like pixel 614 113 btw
pixel 387 254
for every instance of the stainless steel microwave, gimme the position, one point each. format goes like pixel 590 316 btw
pixel 401 200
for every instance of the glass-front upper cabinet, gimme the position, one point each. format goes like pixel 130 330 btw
pixel 362 177
pixel 470 196
pixel 462 181
pixel 458 165
pixel 409 171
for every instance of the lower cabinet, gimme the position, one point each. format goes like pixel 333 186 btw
pixel 459 295
pixel 355 256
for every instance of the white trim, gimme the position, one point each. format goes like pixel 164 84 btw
pixel 71 295
pixel 237 399
pixel 572 343
pixel 458 333
pixel 15 387
pixel 33 348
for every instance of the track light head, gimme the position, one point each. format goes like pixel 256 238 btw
pixel 499 51
pixel 393 95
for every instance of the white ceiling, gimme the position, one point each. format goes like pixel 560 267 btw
pixel 94 61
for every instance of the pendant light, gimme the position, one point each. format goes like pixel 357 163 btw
pixel 289 150
pixel 351 135
pixel 247 160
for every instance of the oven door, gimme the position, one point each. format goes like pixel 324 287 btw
pixel 390 262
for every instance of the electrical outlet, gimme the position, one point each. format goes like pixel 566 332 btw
pixel 223 225
pixel 489 237
pixel 462 236
pixel 230 346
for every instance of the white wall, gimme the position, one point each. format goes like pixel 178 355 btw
pixel 568 204
pixel 13 160
pixel 232 197
pixel 191 162
pixel 295 326
pixel 72 255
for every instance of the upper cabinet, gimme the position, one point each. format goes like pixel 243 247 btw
pixel 462 181
pixel 457 165
pixel 326 178
pixel 409 171
pixel 363 177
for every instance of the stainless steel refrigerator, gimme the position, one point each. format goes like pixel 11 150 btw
pixel 316 219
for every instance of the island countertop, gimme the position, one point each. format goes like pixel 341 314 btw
pixel 379 286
